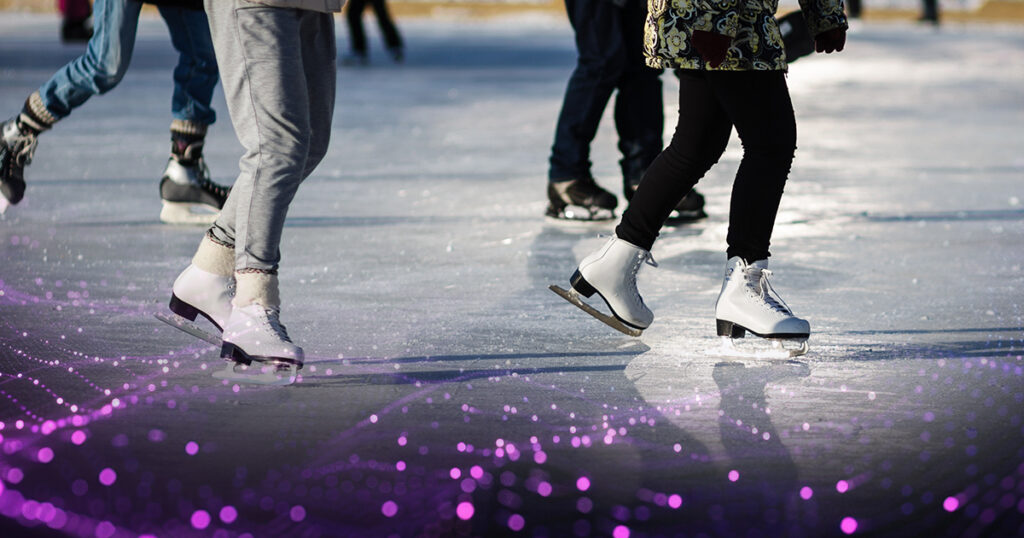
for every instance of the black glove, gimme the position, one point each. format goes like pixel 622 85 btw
pixel 830 40
pixel 711 46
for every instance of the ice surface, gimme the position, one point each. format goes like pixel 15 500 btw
pixel 446 391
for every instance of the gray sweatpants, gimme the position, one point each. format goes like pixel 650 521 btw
pixel 277 66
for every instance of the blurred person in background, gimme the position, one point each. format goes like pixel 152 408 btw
pixel 358 53
pixel 75 24
pixel 609 45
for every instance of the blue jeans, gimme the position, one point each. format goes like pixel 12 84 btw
pixel 109 52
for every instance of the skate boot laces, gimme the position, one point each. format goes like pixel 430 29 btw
pixel 21 145
pixel 762 287
pixel 642 257
pixel 272 321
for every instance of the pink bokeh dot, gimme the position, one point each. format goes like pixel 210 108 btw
pixel 105 529
pixel 455 473
pixel 734 475
pixel 228 514
pixel 297 513
pixel 675 501
pixel 108 476
pixel 465 510
pixel 389 508
pixel 621 531
pixel 583 484
pixel 516 522
pixel 200 519
pixel 951 504
pixel 45 455
pixel 842 486
pixel 848 525
pixel 806 493
pixel 78 437
pixel 192 448
pixel 544 489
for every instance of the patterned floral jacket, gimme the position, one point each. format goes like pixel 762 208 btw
pixel 756 41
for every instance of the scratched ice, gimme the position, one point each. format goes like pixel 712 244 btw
pixel 447 392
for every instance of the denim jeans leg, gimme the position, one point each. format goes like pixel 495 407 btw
pixel 104 63
pixel 601 62
pixel 195 76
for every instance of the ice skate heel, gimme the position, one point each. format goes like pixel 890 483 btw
pixel 729 329
pixel 580 285
pixel 232 352
pixel 183 309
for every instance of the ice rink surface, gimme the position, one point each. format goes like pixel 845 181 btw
pixel 448 392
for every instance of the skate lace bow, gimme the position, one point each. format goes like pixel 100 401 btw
pixel 23 148
pixel 770 296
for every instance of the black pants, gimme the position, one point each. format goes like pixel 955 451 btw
pixel 356 35
pixel 711 103
pixel 609 41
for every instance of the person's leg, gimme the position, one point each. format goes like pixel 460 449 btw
pixel 104 63
pixel 758 104
pixel 74 27
pixel 260 54
pixel 97 71
pixel 700 138
pixel 195 76
pixel 186 182
pixel 392 39
pixel 760 108
pixel 265 56
pixel 600 64
pixel 639 112
pixel 319 55
pixel 356 33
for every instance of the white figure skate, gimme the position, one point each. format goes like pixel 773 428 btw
pixel 611 273
pixel 748 303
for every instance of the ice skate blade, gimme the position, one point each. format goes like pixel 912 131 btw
pixel 188 327
pixel 573 297
pixel 259 373
pixel 727 348
pixel 579 214
pixel 182 213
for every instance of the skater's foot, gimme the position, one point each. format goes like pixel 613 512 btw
pixel 255 333
pixel 197 292
pixel 17 145
pixel 611 273
pixel 748 302
pixel 580 199
pixel 186 191
pixel 207 286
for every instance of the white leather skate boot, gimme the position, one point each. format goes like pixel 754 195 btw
pixel 254 331
pixel 611 272
pixel 207 285
pixel 747 302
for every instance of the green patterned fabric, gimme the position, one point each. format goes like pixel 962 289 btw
pixel 756 41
